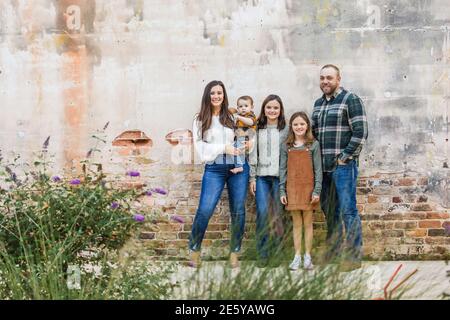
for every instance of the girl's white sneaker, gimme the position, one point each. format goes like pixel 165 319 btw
pixel 295 264
pixel 307 262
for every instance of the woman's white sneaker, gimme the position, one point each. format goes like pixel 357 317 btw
pixel 295 264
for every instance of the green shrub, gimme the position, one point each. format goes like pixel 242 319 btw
pixel 46 223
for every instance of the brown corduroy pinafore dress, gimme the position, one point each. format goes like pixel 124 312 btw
pixel 300 180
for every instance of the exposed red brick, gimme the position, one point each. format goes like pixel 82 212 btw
pixel 170 227
pixel 436 232
pixel 392 240
pixel 363 190
pixel 415 216
pixel 375 234
pixel 392 216
pixel 397 200
pixel 154 244
pixel 416 233
pixel 380 225
pixel 437 240
pixel 429 224
pixel 375 207
pixel 161 251
pixel 406 182
pixel 214 235
pixel 406 225
pixel 383 190
pixel 218 227
pixel 183 235
pixel 421 207
pixel 147 235
pixel 415 240
pixel 176 244
pixel 361 183
pixel 166 235
pixel 437 215
pixel 399 207
pixel 393 233
pixel 371 216
pixel 422 198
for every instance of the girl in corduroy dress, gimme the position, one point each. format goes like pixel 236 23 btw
pixel 301 183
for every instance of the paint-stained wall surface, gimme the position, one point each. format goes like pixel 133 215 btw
pixel 67 67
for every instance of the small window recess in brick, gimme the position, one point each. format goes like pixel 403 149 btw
pixel 134 140
pixel 179 136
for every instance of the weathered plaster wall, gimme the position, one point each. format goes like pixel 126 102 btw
pixel 68 67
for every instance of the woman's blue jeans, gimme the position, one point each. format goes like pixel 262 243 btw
pixel 214 179
pixel 338 202
pixel 267 201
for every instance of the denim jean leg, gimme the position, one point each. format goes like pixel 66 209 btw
pixel 277 214
pixel 213 183
pixel 262 216
pixel 345 180
pixel 237 194
pixel 329 205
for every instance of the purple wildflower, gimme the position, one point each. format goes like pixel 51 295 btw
pixel 75 181
pixel 148 193
pixel 114 205
pixel 159 190
pixel 447 229
pixel 56 179
pixel 177 219
pixel 139 218
pixel 133 173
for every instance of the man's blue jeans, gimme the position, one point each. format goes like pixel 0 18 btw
pixel 213 183
pixel 338 202
pixel 267 200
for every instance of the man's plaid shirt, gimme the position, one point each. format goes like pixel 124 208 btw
pixel 340 125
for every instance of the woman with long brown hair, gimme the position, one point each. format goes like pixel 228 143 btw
pixel 213 141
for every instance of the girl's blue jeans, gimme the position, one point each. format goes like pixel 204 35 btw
pixel 268 201
pixel 215 177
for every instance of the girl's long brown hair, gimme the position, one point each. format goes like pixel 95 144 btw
pixel 262 119
pixel 309 138
pixel 205 115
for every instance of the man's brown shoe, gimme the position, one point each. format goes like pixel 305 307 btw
pixel 195 260
pixel 234 261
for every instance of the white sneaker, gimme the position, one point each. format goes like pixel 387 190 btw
pixel 295 264
pixel 307 263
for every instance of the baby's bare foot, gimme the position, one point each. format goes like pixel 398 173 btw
pixel 237 170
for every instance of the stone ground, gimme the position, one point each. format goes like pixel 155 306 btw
pixel 429 282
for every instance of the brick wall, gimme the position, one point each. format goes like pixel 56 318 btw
pixel 401 217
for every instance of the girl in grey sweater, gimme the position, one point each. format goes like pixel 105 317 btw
pixel 264 174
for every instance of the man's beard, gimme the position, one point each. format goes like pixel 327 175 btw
pixel 332 89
